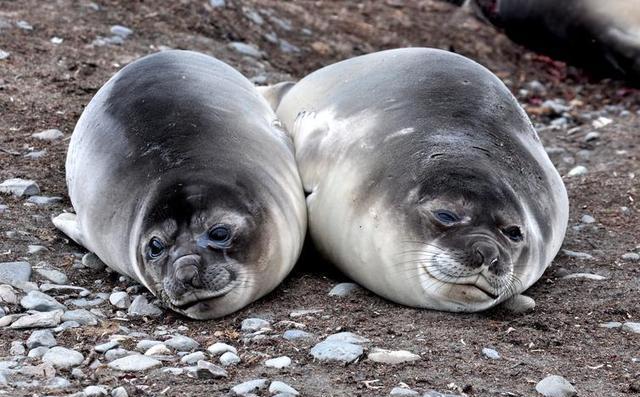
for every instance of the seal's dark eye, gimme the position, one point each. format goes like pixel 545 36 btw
pixel 156 248
pixel 513 233
pixel 220 235
pixel 446 217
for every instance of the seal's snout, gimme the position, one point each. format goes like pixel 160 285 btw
pixel 186 270
pixel 486 254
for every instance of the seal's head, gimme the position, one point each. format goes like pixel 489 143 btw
pixel 208 249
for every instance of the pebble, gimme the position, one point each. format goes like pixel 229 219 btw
pixel 490 353
pixel 56 40
pixel 182 343
pixel 403 392
pixel 253 16
pixel 337 351
pixel 66 325
pixel 3 208
pixel 95 391
pixel 519 304
pixel 91 261
pixel 134 363
pixel 228 359
pixel 38 320
pixel 55 276
pixel 217 3
pixel 346 337
pixel 587 219
pixel 146 344
pixel 120 299
pixel 77 373
pixel 631 257
pixel 36 249
pixel 249 387
pixel 35 154
pixel 192 358
pixel 588 276
pixel 121 31
pixel 254 324
pixel 631 327
pixel 105 347
pixel 8 295
pixel 17 349
pixel 555 386
pixel 280 387
pixel 592 136
pixel 81 316
pixel 48 135
pixel 19 187
pixel 4 55
pixel 577 255
pixel 114 354
pixel 392 357
pixel 207 370
pixel 278 362
pixel 36 300
pixel 578 171
pixel 611 324
pixel 59 383
pixel 119 392
pixel 245 49
pixel 61 357
pixel 304 312
pixel 141 307
pixel 24 25
pixel 44 200
pixel 158 350
pixel 86 302
pixel 38 352
pixel 219 348
pixel 41 338
pixel 294 334
pixel 15 271
pixel 343 289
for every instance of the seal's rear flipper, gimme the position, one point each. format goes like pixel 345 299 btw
pixel 67 223
pixel 519 304
pixel 274 93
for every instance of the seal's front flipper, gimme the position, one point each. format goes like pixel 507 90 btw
pixel 67 223
pixel 519 304
pixel 274 93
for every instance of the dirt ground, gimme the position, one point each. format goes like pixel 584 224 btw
pixel 45 85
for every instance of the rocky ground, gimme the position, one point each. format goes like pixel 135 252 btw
pixel 72 327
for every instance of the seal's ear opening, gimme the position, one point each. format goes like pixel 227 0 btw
pixel 274 93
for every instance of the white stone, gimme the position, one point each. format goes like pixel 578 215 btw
pixel 588 276
pixel 392 356
pixel 134 363
pixel 490 353
pixel 95 391
pixel 192 358
pixel 48 135
pixel 38 320
pixel 278 362
pixel 219 348
pixel 249 387
pixel 182 343
pixel 343 289
pixel 228 359
pixel 280 387
pixel 120 300
pixel 61 357
pixel 19 187
pixel 158 350
pixel 254 324
pixel 555 386
pixel 578 171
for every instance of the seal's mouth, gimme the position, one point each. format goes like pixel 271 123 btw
pixel 193 297
pixel 490 294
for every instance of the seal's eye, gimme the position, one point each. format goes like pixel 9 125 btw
pixel 156 248
pixel 513 232
pixel 220 235
pixel 446 217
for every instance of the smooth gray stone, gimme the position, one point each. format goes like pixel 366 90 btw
pixel 104 347
pixel 344 289
pixel 403 392
pixel 346 337
pixel 120 299
pixel 192 358
pixel 121 31
pixel 280 387
pixel 36 300
pixel 337 351
pixel 392 357
pixel 207 370
pixel 38 352
pixel 119 392
pixel 55 276
pixel 134 363
pixel 245 49
pixel 14 271
pixel 114 354
pixel 219 348
pixel 95 391
pixel 249 387
pixel 490 353
pixel 182 343
pixel 254 324
pixel 631 327
pixel 228 359
pixel 278 362
pixel 41 338
pixel 63 358
pixel 19 187
pixel 294 334
pixel 48 135
pixel 81 316
pixel 555 386
pixel 38 320
pixel 141 307
pixel 44 200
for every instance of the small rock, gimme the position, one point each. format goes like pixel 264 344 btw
pixel 217 3
pixel 601 122
pixel 141 307
pixel 119 392
pixel 4 55
pixel 207 370
pixel 279 362
pixel 95 391
pixel 53 275
pixel 59 383
pixel 158 350
pixel 631 327
pixel 392 356
pixel 8 295
pixel 66 325
pixel 631 257
pixel 19 187
pixel 245 49
pixel 61 357
pixel 182 343
pixel 146 344
pixel 403 392
pixel 254 324
pixel 346 337
pixel 15 271
pixel 611 324
pixel 35 154
pixel 44 200
pixel 56 40
pixel 36 249
pixel 337 351
pixel 134 363
pixel 280 387
pixel 228 359
pixel 577 171
pixel 120 300
pixel 249 387
pixel 555 386
pixel 219 348
pixel 38 352
pixel 81 316
pixel 192 358
pixel 121 31
pixel 343 289
pixel 304 312
pixel 38 320
pixel 114 354
pixel 36 300
pixel 78 374
pixel 91 261
pixel 592 136
pixel 577 255
pixel 41 338
pixel 48 135
pixel 24 25
pixel 17 349
pixel 105 347
pixel 588 276
pixel 490 353
pixel 587 219
pixel 86 302
pixel 293 334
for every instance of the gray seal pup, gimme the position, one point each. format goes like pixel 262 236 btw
pixel 181 179
pixel 426 181
pixel 601 36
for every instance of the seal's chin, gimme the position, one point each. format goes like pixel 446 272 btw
pixel 193 297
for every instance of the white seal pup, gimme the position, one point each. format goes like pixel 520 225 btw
pixel 181 180
pixel 426 181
